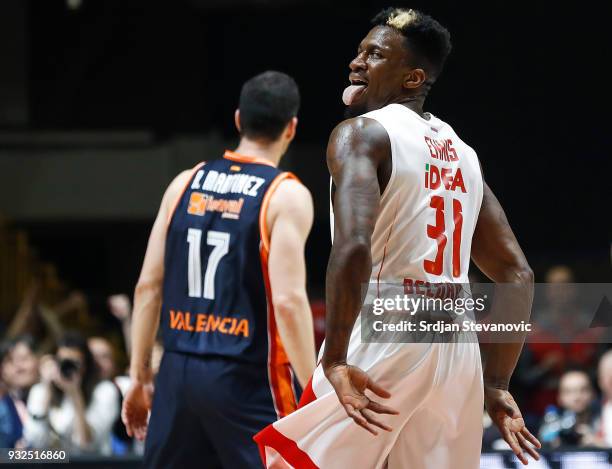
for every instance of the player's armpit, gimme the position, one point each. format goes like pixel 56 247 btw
pixel 148 292
pixel 289 220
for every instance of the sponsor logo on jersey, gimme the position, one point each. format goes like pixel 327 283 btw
pixel 441 149
pixel 185 321
pixel 435 177
pixel 223 183
pixel 200 203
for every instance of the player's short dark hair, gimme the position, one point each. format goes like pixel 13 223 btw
pixel 268 102
pixel 428 40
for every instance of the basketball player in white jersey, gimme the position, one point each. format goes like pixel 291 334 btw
pixel 410 207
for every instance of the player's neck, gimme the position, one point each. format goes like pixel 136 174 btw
pixel 414 103
pixel 272 152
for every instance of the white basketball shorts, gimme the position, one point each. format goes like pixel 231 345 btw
pixel 436 387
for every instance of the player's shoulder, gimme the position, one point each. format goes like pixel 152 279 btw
pixel 361 127
pixel 360 136
pixel 292 200
pixel 177 187
pixel 181 179
pixel 291 192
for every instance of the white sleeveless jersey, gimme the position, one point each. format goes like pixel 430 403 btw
pixel 423 234
pixel 429 209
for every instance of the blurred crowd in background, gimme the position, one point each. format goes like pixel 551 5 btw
pixel 62 380
pixel 61 383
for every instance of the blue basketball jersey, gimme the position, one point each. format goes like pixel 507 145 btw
pixel 216 298
pixel 216 292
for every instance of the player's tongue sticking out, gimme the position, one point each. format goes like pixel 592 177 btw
pixel 351 93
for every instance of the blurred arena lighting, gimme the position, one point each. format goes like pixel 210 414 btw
pixel 74 4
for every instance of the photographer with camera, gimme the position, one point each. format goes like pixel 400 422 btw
pixel 576 422
pixel 71 408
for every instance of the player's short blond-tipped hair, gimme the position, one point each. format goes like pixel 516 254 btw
pixel 427 40
pixel 400 18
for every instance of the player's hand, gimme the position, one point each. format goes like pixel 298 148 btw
pixel 135 410
pixel 350 384
pixel 506 415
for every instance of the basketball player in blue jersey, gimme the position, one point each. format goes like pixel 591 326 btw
pixel 224 276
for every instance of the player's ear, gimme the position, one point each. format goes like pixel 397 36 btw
pixel 237 119
pixel 291 128
pixel 414 78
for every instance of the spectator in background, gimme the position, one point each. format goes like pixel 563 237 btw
pixel 577 421
pixel 20 367
pixel 46 307
pixel 71 408
pixel 104 357
pixel 561 339
pixel 11 427
pixel 604 377
pixel 121 307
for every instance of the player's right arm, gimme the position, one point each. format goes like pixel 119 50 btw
pixel 289 220
pixel 496 251
pixel 356 150
pixel 145 319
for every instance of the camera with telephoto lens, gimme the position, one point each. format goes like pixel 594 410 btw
pixel 567 432
pixel 68 367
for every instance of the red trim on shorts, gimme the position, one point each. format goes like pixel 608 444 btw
pixel 308 395
pixel 288 449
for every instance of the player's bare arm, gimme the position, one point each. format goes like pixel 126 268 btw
pixel 357 150
pixel 289 220
pixel 145 321
pixel 497 253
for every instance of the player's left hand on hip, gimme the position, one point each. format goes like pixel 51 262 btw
pixel 350 384
pixel 506 415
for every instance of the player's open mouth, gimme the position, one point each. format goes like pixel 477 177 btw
pixel 354 91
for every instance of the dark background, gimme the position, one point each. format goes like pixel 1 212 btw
pixel 526 86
